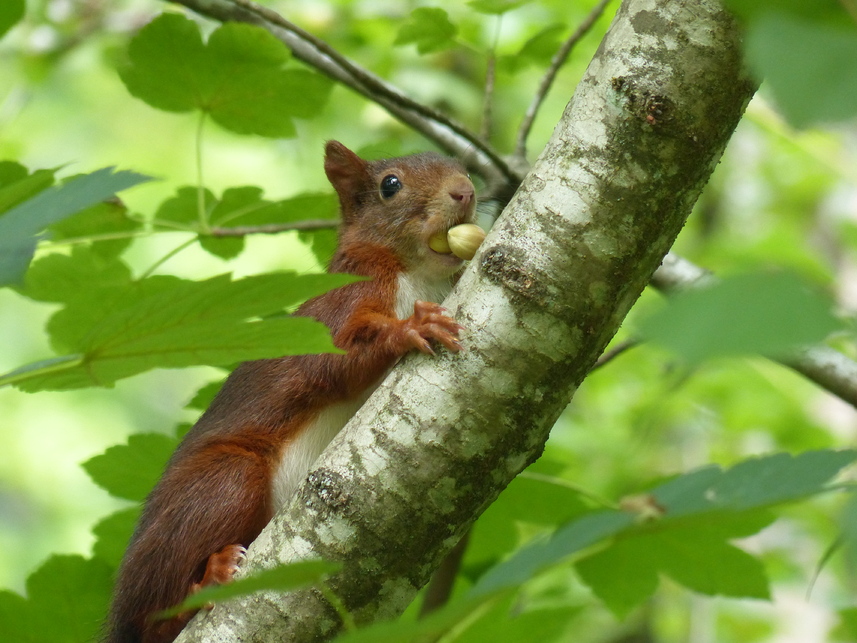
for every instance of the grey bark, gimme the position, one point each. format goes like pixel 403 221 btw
pixel 435 445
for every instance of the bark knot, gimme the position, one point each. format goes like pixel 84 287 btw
pixel 330 487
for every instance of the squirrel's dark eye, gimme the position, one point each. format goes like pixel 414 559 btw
pixel 390 184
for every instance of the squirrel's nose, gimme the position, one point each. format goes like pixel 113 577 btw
pixel 462 192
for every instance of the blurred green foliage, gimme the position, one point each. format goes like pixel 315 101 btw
pixel 627 520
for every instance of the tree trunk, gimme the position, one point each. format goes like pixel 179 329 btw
pixel 443 436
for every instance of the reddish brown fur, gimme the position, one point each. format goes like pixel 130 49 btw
pixel 216 490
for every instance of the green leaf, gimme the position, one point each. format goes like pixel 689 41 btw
pixel 11 12
pixel 543 500
pixel 240 207
pixel 708 565
pixel 702 510
pixel 16 185
pixel 66 278
pixel 848 526
pixel 92 225
pixel 322 243
pixel 19 225
pixel 809 67
pixel 845 631
pixel 279 579
pixel 540 49
pixel 626 573
pixel 532 559
pixel 204 396
pixel 495 7
pixel 130 471
pixel 762 313
pixel 166 322
pixel 819 11
pixel 534 499
pixel 72 590
pixel 504 621
pixel 223 247
pixel 183 208
pixel 429 28
pixel 303 207
pixel 239 203
pixel 238 77
pixel 708 505
pixel 112 535
pixel 167 65
pixel 753 483
pixel 16 618
pixel 620 576
pixel 430 628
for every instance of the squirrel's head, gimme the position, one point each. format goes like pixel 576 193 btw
pixel 401 203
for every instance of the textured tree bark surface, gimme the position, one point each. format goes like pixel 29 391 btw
pixel 436 444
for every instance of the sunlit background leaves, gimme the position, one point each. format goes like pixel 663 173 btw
pixel 782 205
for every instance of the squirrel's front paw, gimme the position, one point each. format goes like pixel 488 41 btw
pixel 430 321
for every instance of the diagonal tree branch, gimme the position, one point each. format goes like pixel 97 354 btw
pixel 435 445
pixel 453 137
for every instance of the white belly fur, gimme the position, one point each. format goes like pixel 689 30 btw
pixel 299 456
pixel 304 450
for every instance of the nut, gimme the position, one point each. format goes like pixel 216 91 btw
pixel 439 243
pixel 465 239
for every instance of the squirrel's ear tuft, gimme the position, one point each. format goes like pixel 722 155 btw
pixel 346 171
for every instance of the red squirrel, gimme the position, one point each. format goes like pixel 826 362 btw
pixel 272 418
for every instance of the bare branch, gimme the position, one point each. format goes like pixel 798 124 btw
pixel 609 355
pixel 488 99
pixel 274 228
pixel 450 135
pixel 828 368
pixel 490 79
pixel 547 80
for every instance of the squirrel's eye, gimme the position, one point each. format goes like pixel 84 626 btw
pixel 390 184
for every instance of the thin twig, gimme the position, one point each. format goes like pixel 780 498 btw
pixel 557 61
pixel 274 228
pixel 490 79
pixel 172 253
pixel 202 211
pixel 452 136
pixel 828 368
pixel 613 353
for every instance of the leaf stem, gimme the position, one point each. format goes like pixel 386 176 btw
pixel 50 366
pixel 107 236
pixel 200 188
pixel 172 253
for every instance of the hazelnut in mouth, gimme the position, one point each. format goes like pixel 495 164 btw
pixel 462 240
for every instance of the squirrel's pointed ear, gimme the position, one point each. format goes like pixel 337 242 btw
pixel 346 171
